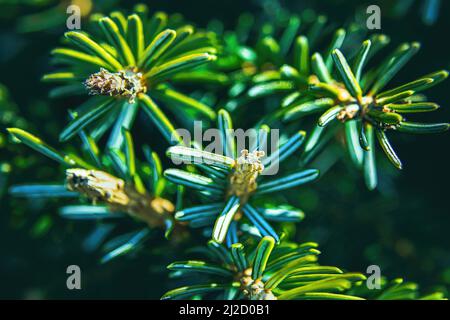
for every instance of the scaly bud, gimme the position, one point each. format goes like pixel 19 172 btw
pixel 126 83
pixel 254 289
pixel 246 169
pixel 100 186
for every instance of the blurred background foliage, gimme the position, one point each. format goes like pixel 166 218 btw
pixel 402 226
